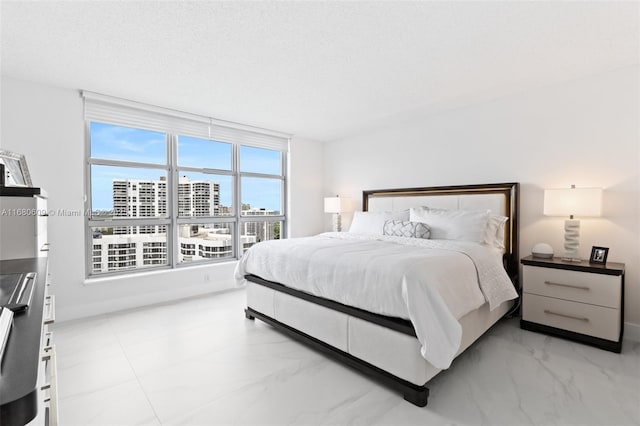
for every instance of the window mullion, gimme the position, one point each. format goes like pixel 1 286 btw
pixel 88 206
pixel 205 219
pixel 173 179
pixel 130 221
pixel 237 202
pixel 120 163
pixel 285 196
pixel 205 170
pixel 265 218
pixel 261 175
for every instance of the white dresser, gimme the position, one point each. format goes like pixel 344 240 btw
pixel 28 384
pixel 23 226
pixel 579 301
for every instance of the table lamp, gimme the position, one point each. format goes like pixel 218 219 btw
pixel 581 202
pixel 336 205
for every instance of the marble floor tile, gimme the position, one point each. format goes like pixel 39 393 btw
pixel 82 342
pixel 122 404
pixel 93 373
pixel 200 362
pixel 191 384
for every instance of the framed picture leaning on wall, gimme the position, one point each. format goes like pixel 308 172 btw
pixel 16 172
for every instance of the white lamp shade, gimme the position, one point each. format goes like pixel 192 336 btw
pixel 579 202
pixel 335 204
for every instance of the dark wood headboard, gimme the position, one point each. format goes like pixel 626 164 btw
pixel 507 205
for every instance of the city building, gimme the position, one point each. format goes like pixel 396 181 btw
pixel 262 230
pixel 198 197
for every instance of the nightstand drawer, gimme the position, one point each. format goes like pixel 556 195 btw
pixel 596 321
pixel 595 289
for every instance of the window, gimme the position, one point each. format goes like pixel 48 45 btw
pixel 167 189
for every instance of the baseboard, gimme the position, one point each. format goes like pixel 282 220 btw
pixel 632 332
pixel 110 306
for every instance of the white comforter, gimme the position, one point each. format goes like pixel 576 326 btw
pixel 433 283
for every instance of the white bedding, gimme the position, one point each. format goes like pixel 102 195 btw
pixel 433 283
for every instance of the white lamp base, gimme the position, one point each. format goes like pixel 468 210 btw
pixel 571 240
pixel 337 223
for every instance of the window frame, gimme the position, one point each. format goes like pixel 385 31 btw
pixel 173 220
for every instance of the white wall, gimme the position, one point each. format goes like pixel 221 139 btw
pixel 583 132
pixel 306 172
pixel 46 124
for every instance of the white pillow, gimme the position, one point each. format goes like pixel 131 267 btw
pixel 464 225
pixel 495 231
pixel 372 223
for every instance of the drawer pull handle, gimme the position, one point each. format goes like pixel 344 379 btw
pixel 546 311
pixel 46 353
pixel 48 339
pixel 51 303
pixel 580 287
pixel 52 386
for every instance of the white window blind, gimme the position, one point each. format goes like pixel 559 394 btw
pixel 122 112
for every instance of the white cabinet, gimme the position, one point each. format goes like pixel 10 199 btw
pixel 23 227
pixel 578 301
pixel 28 385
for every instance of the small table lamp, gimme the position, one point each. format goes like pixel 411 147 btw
pixel 336 205
pixel 572 202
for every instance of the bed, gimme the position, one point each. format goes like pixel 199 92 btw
pixel 392 338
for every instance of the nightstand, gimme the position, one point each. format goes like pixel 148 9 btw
pixel 575 300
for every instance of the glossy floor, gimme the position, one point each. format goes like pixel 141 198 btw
pixel 200 362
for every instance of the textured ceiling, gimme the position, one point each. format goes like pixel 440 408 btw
pixel 322 70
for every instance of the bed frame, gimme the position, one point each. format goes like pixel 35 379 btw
pixel 501 198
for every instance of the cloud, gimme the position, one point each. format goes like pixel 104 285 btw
pixel 113 142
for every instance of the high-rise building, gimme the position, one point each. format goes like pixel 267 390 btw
pixel 261 230
pixel 198 198
pixel 122 252
pixel 139 198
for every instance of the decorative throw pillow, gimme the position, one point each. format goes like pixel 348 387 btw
pixel 400 228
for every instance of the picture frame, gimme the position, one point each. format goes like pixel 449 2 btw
pixel 599 255
pixel 16 172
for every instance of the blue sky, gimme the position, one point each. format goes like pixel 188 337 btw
pixel 126 144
